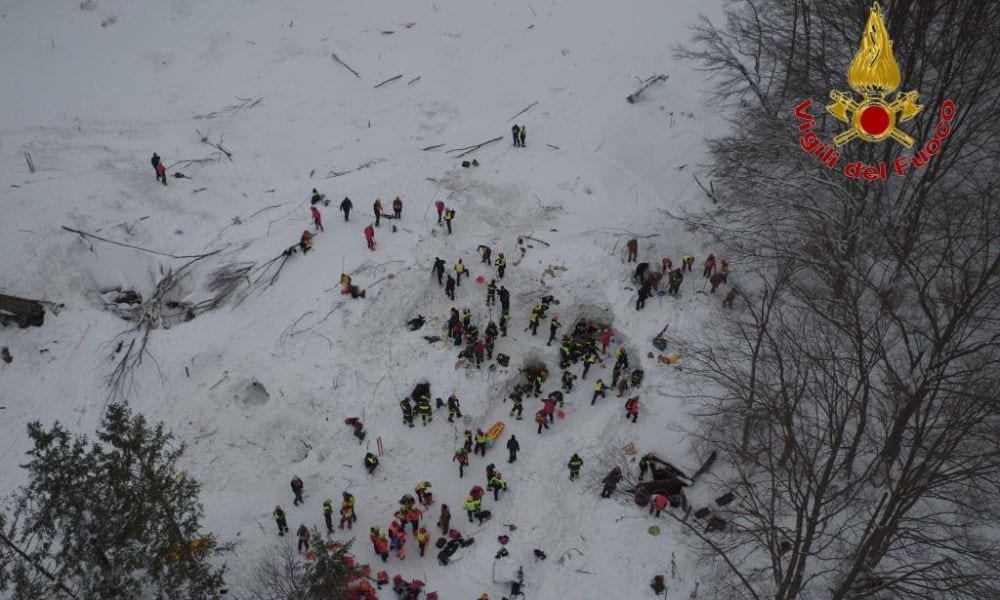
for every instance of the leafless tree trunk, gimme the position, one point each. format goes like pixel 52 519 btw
pixel 864 375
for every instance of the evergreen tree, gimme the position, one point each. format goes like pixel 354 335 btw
pixel 329 572
pixel 114 518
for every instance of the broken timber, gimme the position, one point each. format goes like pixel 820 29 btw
pixel 654 79
pixel 522 112
pixel 471 149
pixel 345 65
pixel 388 80
pixel 24 312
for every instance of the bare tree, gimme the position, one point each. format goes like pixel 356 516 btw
pixel 862 374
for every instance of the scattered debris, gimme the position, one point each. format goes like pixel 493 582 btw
pixel 203 138
pixel 523 111
pixel 31 163
pixel 388 80
pixel 473 148
pixel 22 311
pixel 5 355
pixel 343 64
pixel 414 80
pixel 645 84
pixel 432 147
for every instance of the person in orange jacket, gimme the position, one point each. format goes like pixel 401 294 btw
pixel 413 516
pixel 709 266
pixel 380 544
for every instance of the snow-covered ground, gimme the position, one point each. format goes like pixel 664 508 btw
pixel 91 90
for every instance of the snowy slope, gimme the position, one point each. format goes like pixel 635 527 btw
pixel 90 103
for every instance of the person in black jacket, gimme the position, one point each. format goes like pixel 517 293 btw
pixel 346 207
pixel 438 269
pixel 644 292
pixel 515 130
pixel 449 287
pixel 513 447
pixel 297 488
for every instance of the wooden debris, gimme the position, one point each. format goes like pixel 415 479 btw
pixel 414 80
pixel 473 148
pixel 31 163
pixel 218 146
pixel 551 146
pixel 345 65
pixel 388 80
pixel 432 147
pixel 631 98
pixel 522 112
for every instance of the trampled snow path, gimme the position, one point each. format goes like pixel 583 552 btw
pixel 91 103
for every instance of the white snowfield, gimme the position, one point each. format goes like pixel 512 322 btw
pixel 91 90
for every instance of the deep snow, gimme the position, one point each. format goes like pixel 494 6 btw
pixel 90 103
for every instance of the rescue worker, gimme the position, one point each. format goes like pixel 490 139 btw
pixel 644 293
pixel 303 535
pixel 657 503
pixel 632 408
pixel 347 514
pixel 444 521
pixel 542 420
pixel 479 351
pixel 497 483
pixel 491 293
pixel 397 208
pixel 407 409
pixel 439 206
pixel 621 356
pixel 676 278
pixel 379 543
pixel 449 215
pixel 422 538
pixel 533 320
pixel 306 242
pixel 279 517
pixel 567 381
pixel 516 396
pixel 504 321
pixel 423 494
pixel 485 252
pixel 688 262
pixel 554 326
pixel 481 440
pixel 730 297
pixel 588 360
pixel 709 266
pixel 297 487
pixel 345 206
pixel 371 462
pixel 610 482
pixel 370 237
pixel 423 408
pixel 513 447
pixel 516 131
pixel 438 269
pixel 522 134
pixel 633 250
pixel 449 287
pixel 377 208
pixel 575 462
pixel 501 264
pixel 504 299
pixel 454 410
pixel 598 391
pixel 317 219
pixel 645 464
pixel 716 279
pixel 328 515
pixel 459 271
pixel 462 457
pixel 472 506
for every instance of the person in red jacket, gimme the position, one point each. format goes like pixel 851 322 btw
pixel 370 237
pixel 380 544
pixel 161 173
pixel 317 219
pixel 542 420
pixel 657 503
pixel 439 205
pixel 632 408
pixel 549 408
pixel 479 352
pixel 606 336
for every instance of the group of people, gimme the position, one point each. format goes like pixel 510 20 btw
pixel 715 272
